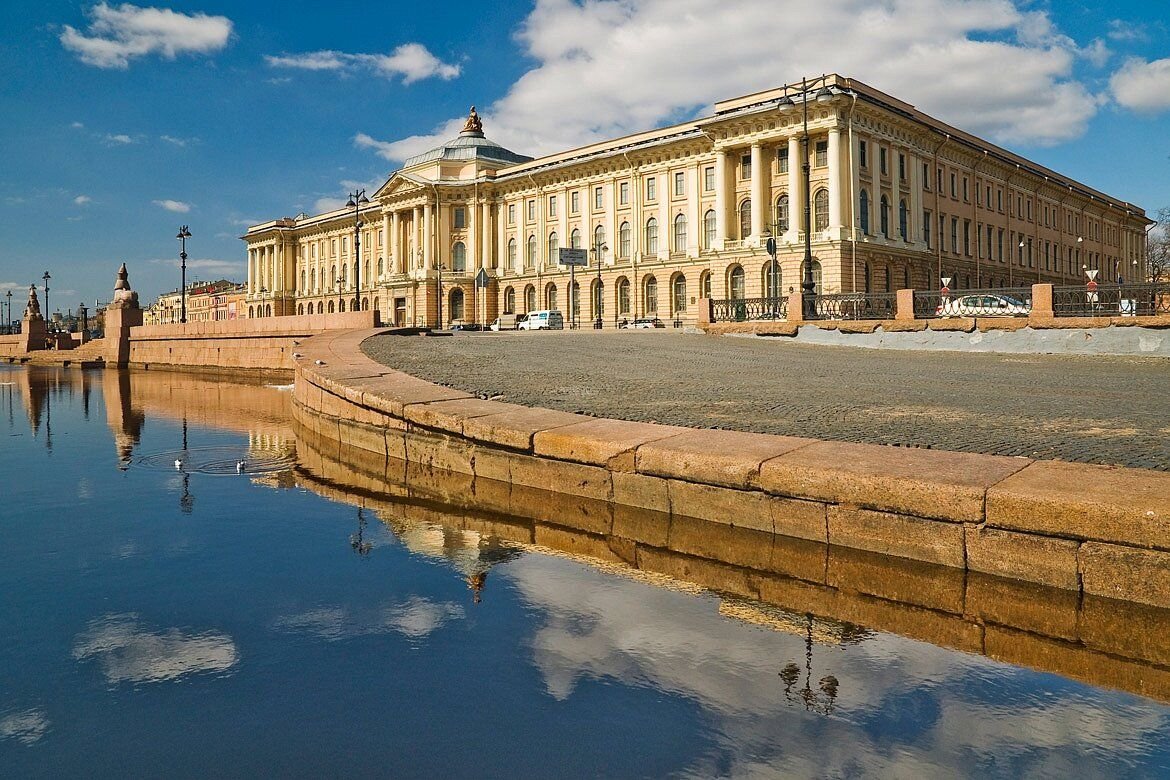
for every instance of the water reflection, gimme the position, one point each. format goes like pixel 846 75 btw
pixel 27 727
pixel 128 651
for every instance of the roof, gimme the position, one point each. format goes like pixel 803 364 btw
pixel 470 144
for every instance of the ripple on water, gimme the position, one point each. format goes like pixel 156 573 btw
pixel 220 461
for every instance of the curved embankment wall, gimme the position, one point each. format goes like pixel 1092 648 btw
pixel 1094 529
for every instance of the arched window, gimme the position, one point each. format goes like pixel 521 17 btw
pixel 624 240
pixel 709 229
pixel 509 300
pixel 459 258
pixel 268 310
pixel 345 274
pixel 680 233
pixel 816 274
pixel 821 204
pixel 678 294
pixel 381 266
pixel 455 307
pixel 321 307
pixel 735 283
pixel 365 304
pixel 885 216
pixel 365 273
pixel 868 280
pixel 330 307
pixel 550 296
pixel 529 298
pixel 322 285
pixel 782 214
pixel 745 219
pixel 773 279
pixel 623 296
pixel 530 255
pixel 651 236
pixel 902 219
pixel 863 210
pixel 888 281
pixel 300 308
pixel 597 300
pixel 334 279
pixel 376 308
pixel 575 299
pixel 251 312
pixel 512 254
pixel 575 239
pixel 705 284
pixel 598 236
pixel 553 248
pixel 303 288
pixel 650 295
pixel 341 307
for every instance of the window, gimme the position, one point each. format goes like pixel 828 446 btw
pixel 455 310
pixel 680 233
pixel 745 166
pixel 553 248
pixel 459 218
pixel 575 299
pixel 782 214
pixel 772 280
pixel 624 240
pixel 530 256
pixel 333 248
pixel 955 235
pixel 598 198
pixel 735 284
pixel 599 236
pixel 954 185
pixel 574 202
pixel 651 236
pixel 966 191
pixel 926 228
pixel 509 300
pixel 575 239
pixel 705 284
pixel 901 166
pixel 863 208
pixel 459 258
pixel 679 294
pixel 651 187
pixel 597 300
pixel 883 162
pixel 967 237
pixel 531 210
pixel 821 204
pixel 940 178
pixel 745 218
pixel 709 229
pixel 782 158
pixel 511 213
pixel 650 296
pixel 512 252
pixel 345 245
pixel 926 177
pixel 884 216
pixel 708 179
pixel 623 295
pixel 552 205
pixel 903 220
pixel 529 298
pixel 822 154
pixel 863 153
pixel 680 183
pixel 624 193
pixel 550 296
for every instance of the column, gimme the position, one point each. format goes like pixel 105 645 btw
pixel 485 235
pixel 251 272
pixel 563 217
pixel 387 238
pixel 757 194
pixel 795 185
pixel 835 223
pixel 473 229
pixel 694 214
pixel 501 256
pixel 720 198
pixel 426 253
pixel 914 228
pixel 610 223
pixel 665 223
pixel 896 191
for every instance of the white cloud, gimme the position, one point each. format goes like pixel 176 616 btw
pixel 82 200
pixel 1097 52
pixel 1120 30
pixel 416 618
pixel 411 62
pixel 987 66
pixel 177 206
pixel 77 126
pixel 170 139
pixel 12 286
pixel 120 138
pixel 118 34
pixel 212 266
pixel 129 652
pixel 1143 86
pixel 321 205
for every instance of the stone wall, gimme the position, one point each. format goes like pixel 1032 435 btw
pixel 1095 530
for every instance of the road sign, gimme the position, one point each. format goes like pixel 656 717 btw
pixel 573 257
pixel 481 279
pixel 771 246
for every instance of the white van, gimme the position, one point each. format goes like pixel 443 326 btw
pixel 545 319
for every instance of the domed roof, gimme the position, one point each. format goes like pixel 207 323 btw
pixel 470 144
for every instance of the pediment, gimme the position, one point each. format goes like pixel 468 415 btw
pixel 400 184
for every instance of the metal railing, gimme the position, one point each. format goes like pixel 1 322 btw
pixel 987 302
pixel 857 306
pixel 1111 300
pixel 744 309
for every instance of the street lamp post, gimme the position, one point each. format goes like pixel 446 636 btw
pixel 48 317
pixel 439 269
pixel 84 319
pixel 184 234
pixel 357 199
pixel 599 248
pixel 9 296
pixel 340 302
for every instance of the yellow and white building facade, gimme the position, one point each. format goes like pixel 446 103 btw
pixel 896 199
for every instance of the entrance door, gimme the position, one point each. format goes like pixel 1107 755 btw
pixel 399 312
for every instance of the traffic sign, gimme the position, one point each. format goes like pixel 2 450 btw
pixel 771 246
pixel 481 279
pixel 573 257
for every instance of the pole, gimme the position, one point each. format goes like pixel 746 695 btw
pixel 439 269
pixel 184 234
pixel 807 301
pixel 598 299
pixel 48 316
pixel 572 281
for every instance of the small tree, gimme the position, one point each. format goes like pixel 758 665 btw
pixel 1158 256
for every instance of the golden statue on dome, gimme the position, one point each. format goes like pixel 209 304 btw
pixel 473 124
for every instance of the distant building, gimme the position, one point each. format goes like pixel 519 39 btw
pixel 896 199
pixel 206 302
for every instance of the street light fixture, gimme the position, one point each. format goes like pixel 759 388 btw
pixel 183 235
pixel 599 248
pixel 357 199
pixel 48 316
pixel 9 296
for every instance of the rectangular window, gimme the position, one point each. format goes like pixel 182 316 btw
pixel 999 245
pixel 966 191
pixel 862 154
pixel 624 193
pixel 345 245
pixel 940 178
pixel 459 218
pixel 552 205
pixel 955 235
pixel 926 177
pixel 680 183
pixel 926 228
pixel 531 210
pixel 999 200
pixel 954 185
pixel 782 157
pixel 745 167
pixel 598 198
pixel 967 237
pixel 901 166
pixel 511 213
pixel 822 154
pixel 574 202
pixel 652 188
pixel 883 163
pixel 709 179
pixel 989 197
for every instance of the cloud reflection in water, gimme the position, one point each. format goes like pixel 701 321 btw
pixel 127 651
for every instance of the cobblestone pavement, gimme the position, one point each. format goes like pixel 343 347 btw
pixel 1113 410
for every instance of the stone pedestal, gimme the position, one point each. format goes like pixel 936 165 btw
pixel 34 334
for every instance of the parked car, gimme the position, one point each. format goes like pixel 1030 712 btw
pixel 506 322
pixel 465 326
pixel 644 323
pixel 982 305
pixel 545 319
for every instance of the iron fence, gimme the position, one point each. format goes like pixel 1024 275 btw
pixel 857 306
pixel 743 309
pixel 988 302
pixel 1111 300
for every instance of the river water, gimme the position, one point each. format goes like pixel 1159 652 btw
pixel 291 617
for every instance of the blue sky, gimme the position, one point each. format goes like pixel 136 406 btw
pixel 122 122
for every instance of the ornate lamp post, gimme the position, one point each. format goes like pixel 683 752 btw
pixel 340 302
pixel 599 248
pixel 357 199
pixel 183 235
pixel 84 318
pixel 439 268
pixel 8 295
pixel 48 316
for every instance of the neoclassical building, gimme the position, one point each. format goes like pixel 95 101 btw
pixel 896 199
